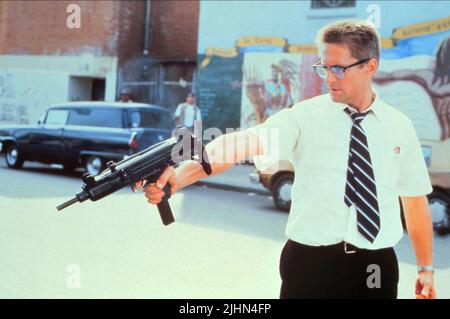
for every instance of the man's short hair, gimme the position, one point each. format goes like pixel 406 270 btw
pixel 360 36
pixel 191 94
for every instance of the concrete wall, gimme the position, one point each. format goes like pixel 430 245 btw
pixel 25 97
pixel 109 44
pixel 29 84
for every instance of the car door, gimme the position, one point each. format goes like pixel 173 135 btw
pixel 152 125
pixel 94 130
pixel 47 142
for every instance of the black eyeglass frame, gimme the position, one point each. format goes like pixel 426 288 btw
pixel 340 68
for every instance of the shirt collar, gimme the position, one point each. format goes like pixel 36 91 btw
pixel 376 107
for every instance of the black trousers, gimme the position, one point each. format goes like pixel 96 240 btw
pixel 331 272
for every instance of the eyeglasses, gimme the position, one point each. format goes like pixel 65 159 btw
pixel 337 70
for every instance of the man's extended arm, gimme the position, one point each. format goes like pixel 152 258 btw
pixel 223 153
pixel 420 230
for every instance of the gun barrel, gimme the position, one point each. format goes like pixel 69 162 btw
pixel 68 203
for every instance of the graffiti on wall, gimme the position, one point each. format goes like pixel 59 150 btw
pixel 25 95
pixel 10 112
pixel 270 84
pixel 429 78
pixel 274 81
pixel 418 62
pixel 276 74
pixel 254 80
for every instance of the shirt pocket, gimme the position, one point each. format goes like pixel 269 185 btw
pixel 387 155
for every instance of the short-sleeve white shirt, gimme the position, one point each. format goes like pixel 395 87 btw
pixel 315 135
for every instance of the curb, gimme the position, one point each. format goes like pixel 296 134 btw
pixel 233 188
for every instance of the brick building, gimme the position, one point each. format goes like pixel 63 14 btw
pixel 56 51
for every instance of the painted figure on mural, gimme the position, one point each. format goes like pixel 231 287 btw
pixel 435 81
pixel 272 95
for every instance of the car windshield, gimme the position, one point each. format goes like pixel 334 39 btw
pixel 150 119
pixel 96 117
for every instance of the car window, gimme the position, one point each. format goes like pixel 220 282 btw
pixel 150 119
pixel 96 117
pixel 57 117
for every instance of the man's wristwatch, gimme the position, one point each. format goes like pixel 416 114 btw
pixel 425 268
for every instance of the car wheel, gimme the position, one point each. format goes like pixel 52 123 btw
pixel 440 213
pixel 14 158
pixel 281 191
pixel 94 165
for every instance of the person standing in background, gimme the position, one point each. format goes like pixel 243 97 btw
pixel 188 112
pixel 125 96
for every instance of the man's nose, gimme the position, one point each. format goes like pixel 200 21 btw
pixel 330 78
pixel 332 75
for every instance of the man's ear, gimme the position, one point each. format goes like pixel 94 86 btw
pixel 371 67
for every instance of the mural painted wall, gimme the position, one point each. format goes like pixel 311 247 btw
pixel 219 80
pixel 274 81
pixel 419 65
pixel 242 86
pixel 414 76
pixel 265 33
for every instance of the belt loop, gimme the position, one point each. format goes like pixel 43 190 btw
pixel 347 250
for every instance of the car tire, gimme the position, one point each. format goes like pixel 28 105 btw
pixel 14 157
pixel 439 204
pixel 94 165
pixel 281 191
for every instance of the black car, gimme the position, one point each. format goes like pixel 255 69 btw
pixel 87 134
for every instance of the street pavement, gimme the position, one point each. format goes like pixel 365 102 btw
pixel 224 244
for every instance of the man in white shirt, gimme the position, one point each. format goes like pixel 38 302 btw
pixel 187 113
pixel 353 155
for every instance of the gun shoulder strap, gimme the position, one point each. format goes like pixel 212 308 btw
pixel 205 161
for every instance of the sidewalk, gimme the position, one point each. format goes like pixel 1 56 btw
pixel 235 179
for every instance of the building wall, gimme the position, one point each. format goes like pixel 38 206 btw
pixel 175 26
pixel 31 83
pixel 109 45
pixel 413 74
pixel 35 40
pixel 166 75
pixel 130 34
pixel 39 28
pixel 25 96
pixel 108 28
pixel 291 27
pixel 297 22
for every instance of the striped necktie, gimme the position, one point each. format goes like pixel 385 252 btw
pixel 360 188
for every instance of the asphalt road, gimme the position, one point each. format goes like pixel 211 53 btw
pixel 223 244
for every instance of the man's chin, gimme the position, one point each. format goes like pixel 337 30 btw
pixel 337 97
